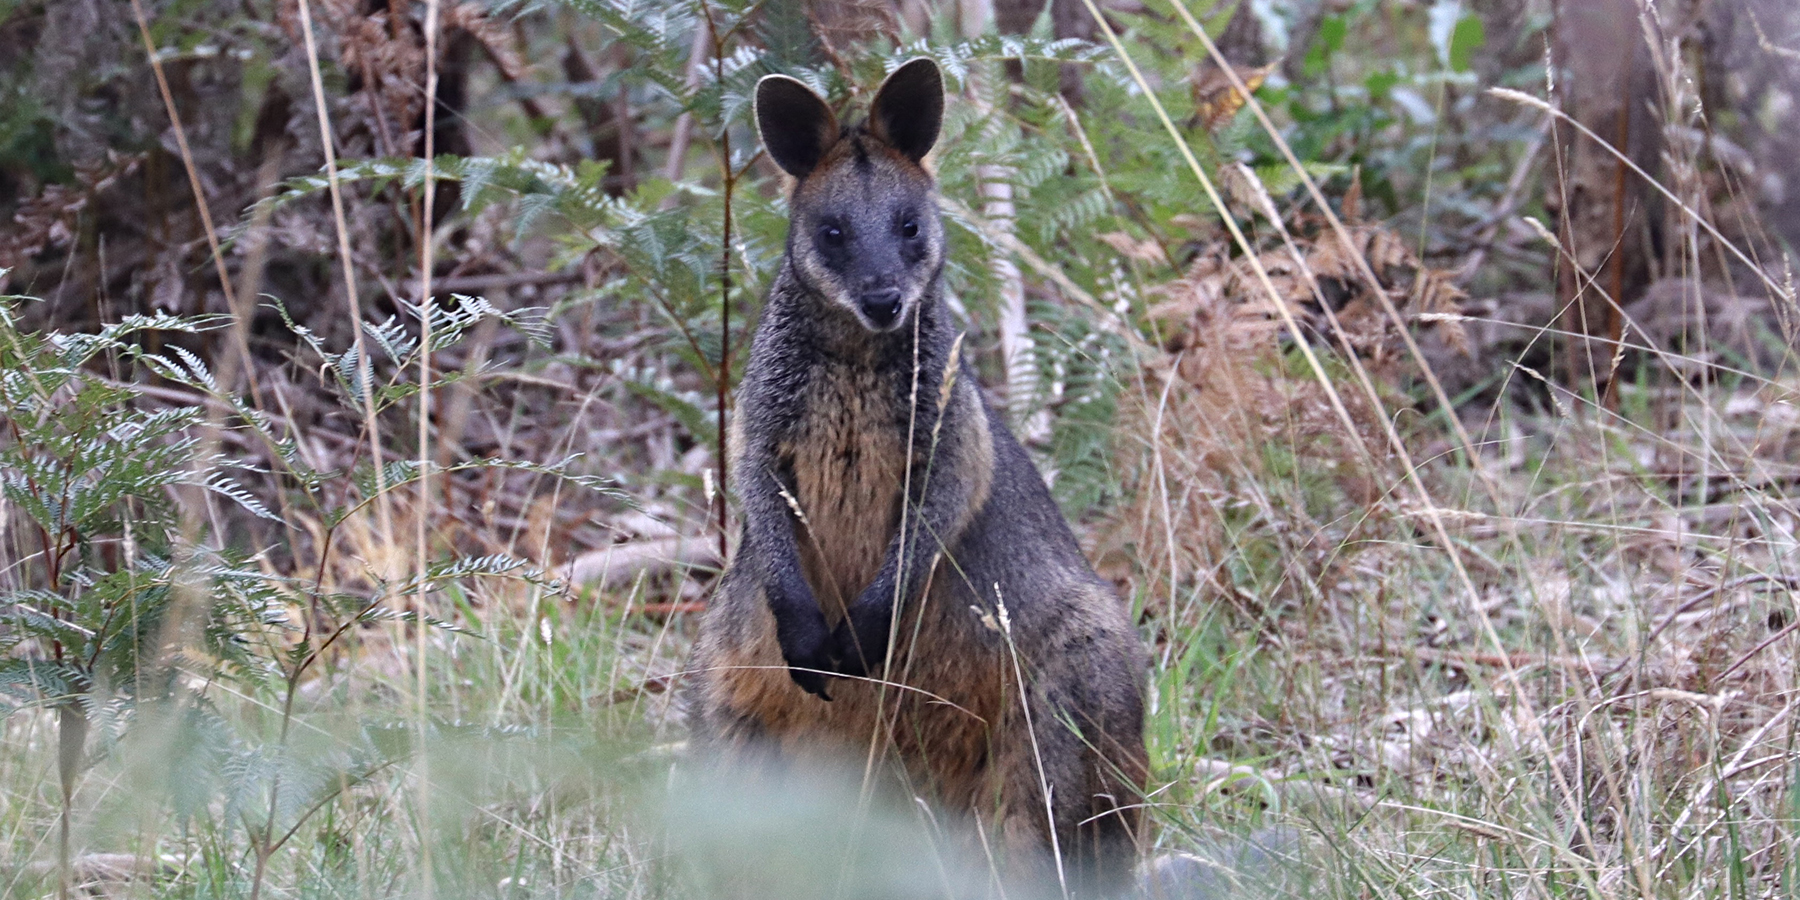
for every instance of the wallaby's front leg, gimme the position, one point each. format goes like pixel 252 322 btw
pixel 806 641
pixel 800 628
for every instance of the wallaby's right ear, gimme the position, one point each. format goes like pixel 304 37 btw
pixel 796 126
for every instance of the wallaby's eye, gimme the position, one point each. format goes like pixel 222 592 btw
pixel 831 235
pixel 910 228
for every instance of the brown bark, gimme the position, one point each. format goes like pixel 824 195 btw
pixel 1606 82
pixel 1242 40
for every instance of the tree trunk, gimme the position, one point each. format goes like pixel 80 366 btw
pixel 1606 82
pixel 71 740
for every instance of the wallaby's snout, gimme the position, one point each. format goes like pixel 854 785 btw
pixel 881 307
pixel 880 300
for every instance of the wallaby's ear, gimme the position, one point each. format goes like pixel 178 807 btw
pixel 909 108
pixel 796 126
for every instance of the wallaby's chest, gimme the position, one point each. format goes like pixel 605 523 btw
pixel 848 461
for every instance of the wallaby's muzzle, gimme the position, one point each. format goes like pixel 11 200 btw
pixel 880 307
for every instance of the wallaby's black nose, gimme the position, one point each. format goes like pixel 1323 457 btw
pixel 882 306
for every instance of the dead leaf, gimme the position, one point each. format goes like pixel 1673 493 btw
pixel 1216 99
pixel 1131 248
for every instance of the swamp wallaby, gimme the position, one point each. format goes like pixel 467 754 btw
pixel 905 585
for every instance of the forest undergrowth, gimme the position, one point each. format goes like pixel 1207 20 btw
pixel 312 588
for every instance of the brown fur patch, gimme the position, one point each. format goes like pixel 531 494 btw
pixel 849 466
pixel 940 719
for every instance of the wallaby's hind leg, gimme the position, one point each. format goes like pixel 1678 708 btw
pixel 1117 767
pixel 1061 793
pixel 1073 778
pixel 738 682
pixel 1106 842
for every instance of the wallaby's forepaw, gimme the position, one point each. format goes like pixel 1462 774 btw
pixel 809 661
pixel 812 682
pixel 861 641
pixel 807 644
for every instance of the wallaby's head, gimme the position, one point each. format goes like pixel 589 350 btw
pixel 865 232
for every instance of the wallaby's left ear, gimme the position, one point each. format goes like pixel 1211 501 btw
pixel 909 108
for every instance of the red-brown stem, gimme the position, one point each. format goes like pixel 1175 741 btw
pixel 724 288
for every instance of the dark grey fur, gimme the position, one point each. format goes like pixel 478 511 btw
pixel 871 470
